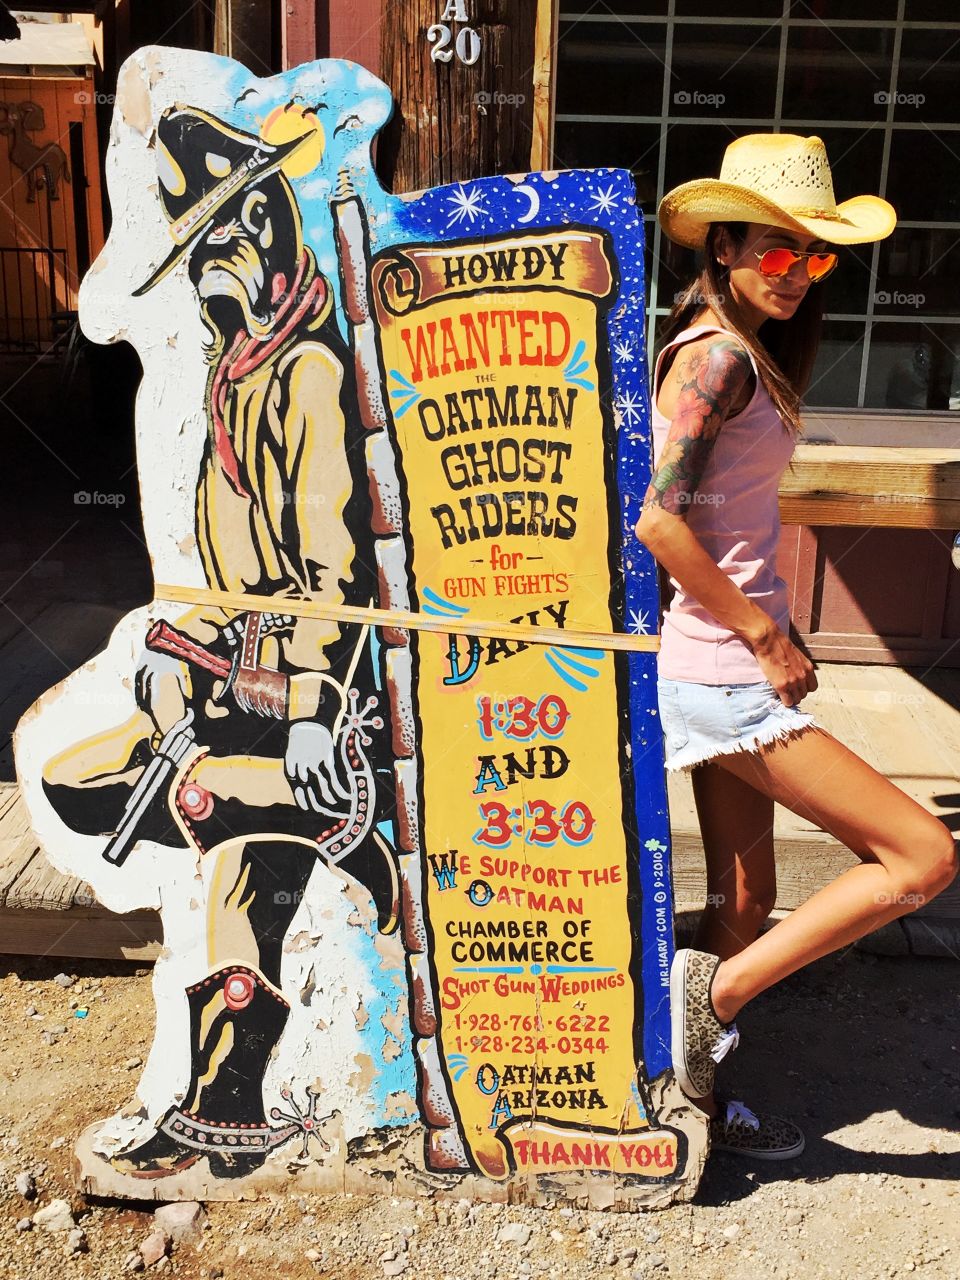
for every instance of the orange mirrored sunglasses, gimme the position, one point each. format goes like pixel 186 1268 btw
pixel 777 262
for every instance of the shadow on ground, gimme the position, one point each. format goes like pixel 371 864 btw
pixel 72 556
pixel 859 1041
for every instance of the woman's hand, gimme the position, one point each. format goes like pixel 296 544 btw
pixel 789 671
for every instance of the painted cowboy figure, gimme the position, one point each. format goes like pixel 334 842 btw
pixel 257 742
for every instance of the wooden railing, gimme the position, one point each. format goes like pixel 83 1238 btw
pixel 895 487
pixel 31 318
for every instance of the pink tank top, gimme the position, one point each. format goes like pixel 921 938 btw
pixel 736 517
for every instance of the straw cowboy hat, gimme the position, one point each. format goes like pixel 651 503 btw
pixel 776 179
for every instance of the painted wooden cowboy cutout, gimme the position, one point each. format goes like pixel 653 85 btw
pixel 384 745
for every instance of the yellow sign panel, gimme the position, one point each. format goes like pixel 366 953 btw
pixel 491 360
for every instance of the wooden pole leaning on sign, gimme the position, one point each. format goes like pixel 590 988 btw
pixel 406 619
pixel 445 1147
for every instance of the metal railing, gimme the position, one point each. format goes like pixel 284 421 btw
pixel 32 317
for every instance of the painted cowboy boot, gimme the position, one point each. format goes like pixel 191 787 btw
pixel 236 1019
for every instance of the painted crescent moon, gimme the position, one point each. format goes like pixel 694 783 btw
pixel 534 202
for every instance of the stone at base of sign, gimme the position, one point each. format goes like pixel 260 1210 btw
pixel 390 1162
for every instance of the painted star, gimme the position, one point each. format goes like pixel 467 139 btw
pixel 639 623
pixel 623 351
pixel 466 205
pixel 631 406
pixel 604 201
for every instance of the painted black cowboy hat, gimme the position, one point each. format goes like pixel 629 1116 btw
pixel 9 30
pixel 202 163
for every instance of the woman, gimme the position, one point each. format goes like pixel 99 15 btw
pixel 727 388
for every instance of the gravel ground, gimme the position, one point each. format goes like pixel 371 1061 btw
pixel 859 1050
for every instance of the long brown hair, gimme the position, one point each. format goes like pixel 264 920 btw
pixel 784 350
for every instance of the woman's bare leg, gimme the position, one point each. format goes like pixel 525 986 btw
pixel 908 857
pixel 736 823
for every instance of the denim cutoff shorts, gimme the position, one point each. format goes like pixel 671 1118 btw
pixel 704 720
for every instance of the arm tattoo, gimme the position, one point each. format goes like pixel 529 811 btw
pixel 709 389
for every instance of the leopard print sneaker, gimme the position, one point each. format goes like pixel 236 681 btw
pixel 738 1131
pixel 699 1040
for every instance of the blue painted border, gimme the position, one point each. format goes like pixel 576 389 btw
pixel 604 198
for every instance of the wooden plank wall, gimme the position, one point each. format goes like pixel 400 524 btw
pixel 351 29
pixel 298 32
pixel 865 550
pixel 43 223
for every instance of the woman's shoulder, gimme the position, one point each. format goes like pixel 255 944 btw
pixel 716 358
pixel 698 338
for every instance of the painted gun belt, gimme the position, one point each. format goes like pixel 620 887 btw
pixel 400 619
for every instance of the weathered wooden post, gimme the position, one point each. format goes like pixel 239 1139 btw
pixel 463 76
pixel 243 29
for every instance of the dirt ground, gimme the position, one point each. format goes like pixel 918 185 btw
pixel 860 1050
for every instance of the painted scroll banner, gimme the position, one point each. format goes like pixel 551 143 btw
pixel 494 357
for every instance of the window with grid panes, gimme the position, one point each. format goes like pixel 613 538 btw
pixel 661 87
